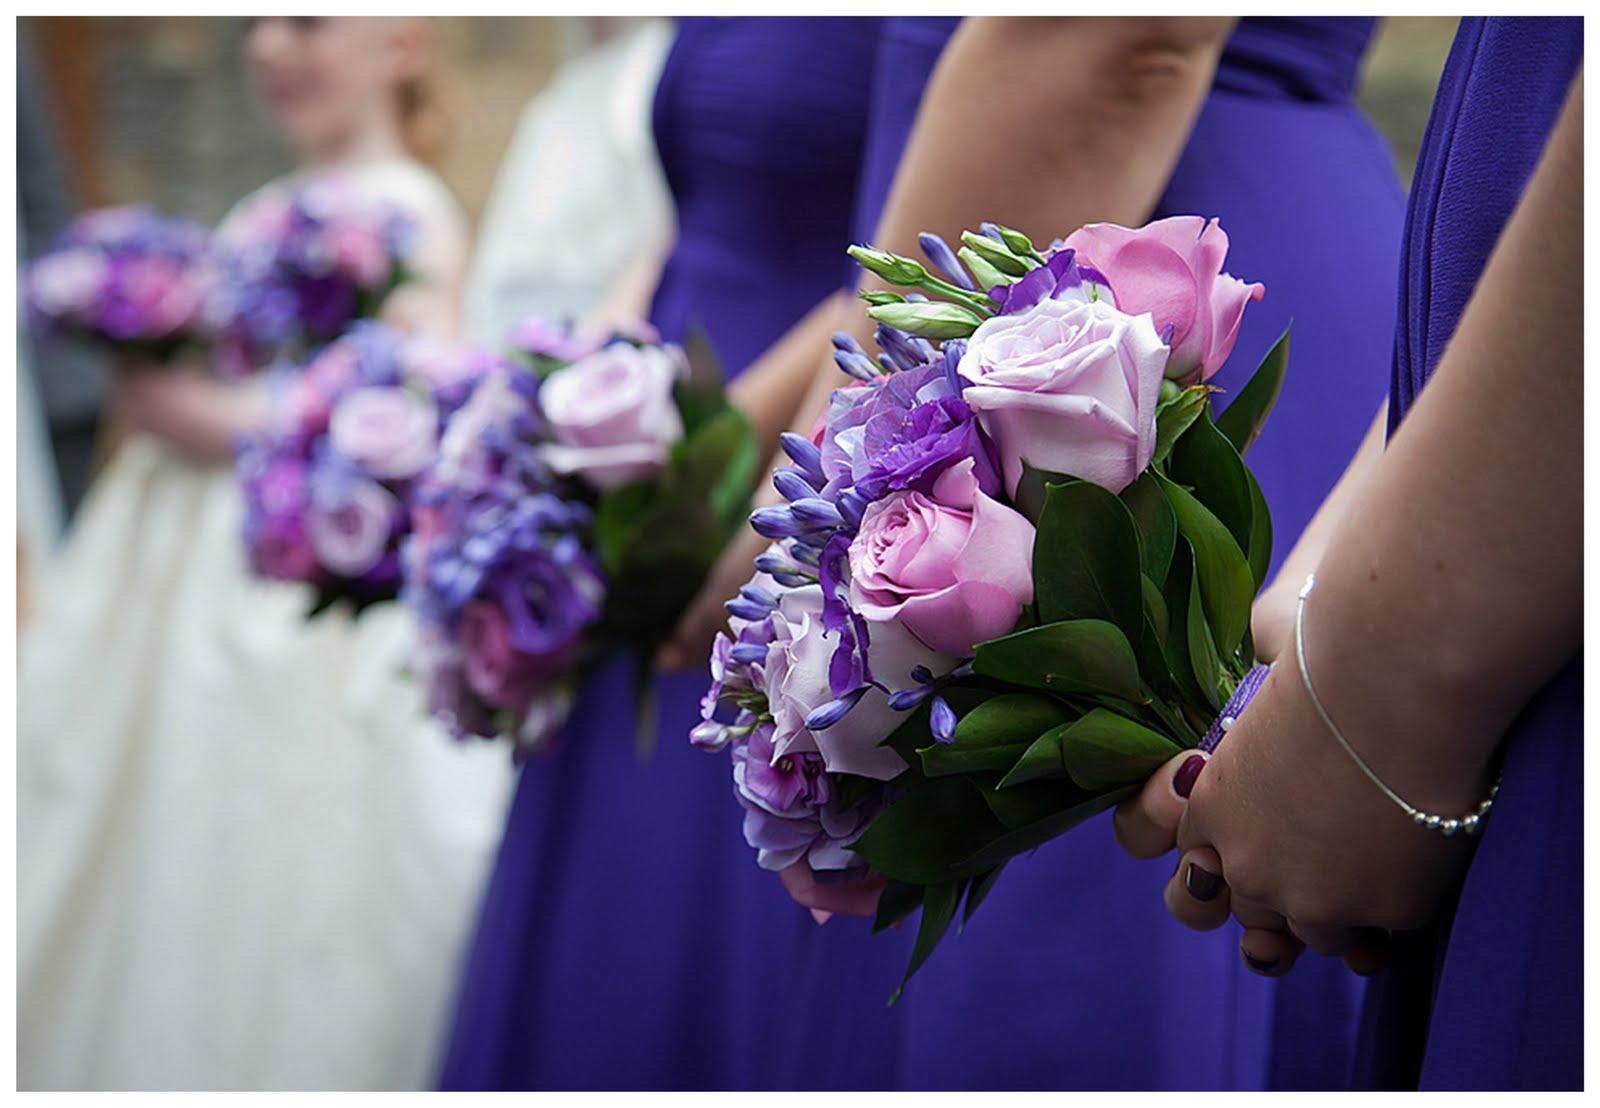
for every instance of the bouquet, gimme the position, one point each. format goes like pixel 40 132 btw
pixel 127 278
pixel 326 484
pixel 301 264
pixel 579 499
pixel 1015 569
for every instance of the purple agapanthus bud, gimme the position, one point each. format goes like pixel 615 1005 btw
pixel 903 700
pixel 922 675
pixel 792 484
pixel 943 721
pixel 833 711
pixel 747 609
pixel 777 522
pixel 748 653
pixel 813 513
pixel 858 366
pixel 944 259
pixel 852 505
pixel 805 454
pixel 758 595
pixel 770 562
pixel 807 554
pixel 794 580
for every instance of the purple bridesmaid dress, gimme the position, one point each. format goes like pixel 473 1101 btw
pixel 1492 997
pixel 627 939
pixel 1072 976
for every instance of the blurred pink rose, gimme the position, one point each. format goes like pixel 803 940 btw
pixel 955 568
pixel 360 253
pixel 501 674
pixel 1172 268
pixel 613 414
pixel 1070 387
pixel 388 432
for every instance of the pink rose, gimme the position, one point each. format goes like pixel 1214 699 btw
pixel 1068 386
pixel 955 568
pixel 388 432
pixel 796 683
pixel 1172 268
pixel 613 414
pixel 350 536
pixel 502 675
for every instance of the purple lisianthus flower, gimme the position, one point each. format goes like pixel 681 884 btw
pixel 794 809
pixel 1060 278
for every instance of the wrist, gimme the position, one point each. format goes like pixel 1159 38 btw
pixel 1409 717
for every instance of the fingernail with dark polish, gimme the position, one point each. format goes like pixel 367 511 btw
pixel 1260 965
pixel 1188 773
pixel 1201 883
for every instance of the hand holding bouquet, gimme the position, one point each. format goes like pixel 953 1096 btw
pixel 575 507
pixel 327 483
pixel 1015 571
pixel 126 278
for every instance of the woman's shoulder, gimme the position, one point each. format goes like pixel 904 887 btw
pixel 411 185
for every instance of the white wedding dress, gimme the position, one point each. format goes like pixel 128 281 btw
pixel 245 858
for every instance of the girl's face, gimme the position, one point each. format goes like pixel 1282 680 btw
pixel 325 78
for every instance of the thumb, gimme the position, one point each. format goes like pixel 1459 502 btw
pixel 1147 824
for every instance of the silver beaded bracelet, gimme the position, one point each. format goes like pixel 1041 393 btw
pixel 1469 824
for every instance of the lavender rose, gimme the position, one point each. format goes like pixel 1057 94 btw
pixel 1172 268
pixel 955 568
pixel 388 432
pixel 1068 386
pixel 613 414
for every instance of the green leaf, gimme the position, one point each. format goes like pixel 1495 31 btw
pixel 936 320
pixel 1226 584
pixel 944 759
pixel 1086 558
pixel 938 909
pixel 1175 416
pixel 978 890
pixel 702 393
pixel 1175 640
pixel 1158 527
pixel 1259 552
pixel 1039 761
pixel 1206 463
pixel 1028 802
pixel 985 275
pixel 1243 419
pixel 1104 750
pixel 1031 488
pixel 897 901
pixel 1036 834
pixel 1009 719
pixel 928 830
pixel 1203 660
pixel 1084 656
